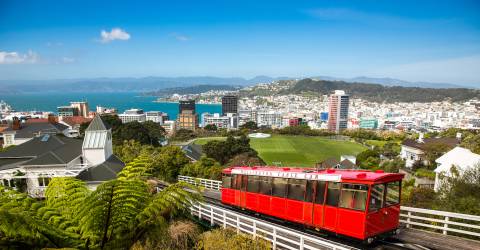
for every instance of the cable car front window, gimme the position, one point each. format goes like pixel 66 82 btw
pixel 393 193
pixel 353 196
pixel 333 193
pixel 376 197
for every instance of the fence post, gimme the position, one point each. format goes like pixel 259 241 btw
pixel 211 216
pixel 224 219
pixel 445 225
pixel 408 219
pixel 238 224
pixel 254 229
pixel 200 211
pixel 274 240
pixel 302 241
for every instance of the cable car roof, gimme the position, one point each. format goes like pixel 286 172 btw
pixel 334 175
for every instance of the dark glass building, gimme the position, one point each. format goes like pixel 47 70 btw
pixel 186 105
pixel 229 104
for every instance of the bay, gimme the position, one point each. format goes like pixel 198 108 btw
pixel 120 101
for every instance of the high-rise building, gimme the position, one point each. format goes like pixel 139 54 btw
pixel 156 116
pixel 229 104
pixel 82 108
pixel 338 103
pixel 187 120
pixel 229 121
pixel 186 105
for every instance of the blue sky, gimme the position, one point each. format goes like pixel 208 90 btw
pixel 436 41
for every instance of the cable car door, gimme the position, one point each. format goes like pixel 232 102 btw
pixel 243 191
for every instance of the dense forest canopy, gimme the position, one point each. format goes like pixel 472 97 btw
pixel 380 93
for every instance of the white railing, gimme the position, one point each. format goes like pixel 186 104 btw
pixel 206 183
pixel 280 237
pixel 438 221
pixel 446 222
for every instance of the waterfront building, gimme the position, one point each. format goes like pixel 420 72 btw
pixel 188 119
pixel 368 123
pixel 103 110
pixel 82 108
pixel 67 111
pixel 48 156
pixel 229 121
pixel 156 116
pixel 229 104
pixel 131 115
pixel 338 104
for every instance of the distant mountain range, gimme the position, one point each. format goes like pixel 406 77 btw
pixel 148 84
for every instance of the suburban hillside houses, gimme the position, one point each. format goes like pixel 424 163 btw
pixel 32 163
pixel 414 150
pixel 20 132
pixel 460 158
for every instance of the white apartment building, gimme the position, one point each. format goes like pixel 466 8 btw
pixel 156 116
pixel 269 118
pixel 169 126
pixel 228 121
pixel 133 115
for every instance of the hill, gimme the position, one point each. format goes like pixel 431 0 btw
pixel 381 93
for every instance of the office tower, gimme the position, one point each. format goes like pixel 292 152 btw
pixel 186 105
pixel 338 103
pixel 229 104
pixel 82 108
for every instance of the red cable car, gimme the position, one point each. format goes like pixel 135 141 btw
pixel 355 203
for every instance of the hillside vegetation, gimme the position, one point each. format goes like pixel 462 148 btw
pixel 380 93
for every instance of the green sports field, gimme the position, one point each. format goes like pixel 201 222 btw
pixel 301 151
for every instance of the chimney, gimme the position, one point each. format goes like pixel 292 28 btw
pixel 16 124
pixel 52 118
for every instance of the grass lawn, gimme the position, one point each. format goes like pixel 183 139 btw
pixel 300 151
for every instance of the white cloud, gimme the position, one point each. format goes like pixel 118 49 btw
pixel 68 60
pixel 180 37
pixel 18 58
pixel 114 34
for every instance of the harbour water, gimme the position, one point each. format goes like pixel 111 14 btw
pixel 120 101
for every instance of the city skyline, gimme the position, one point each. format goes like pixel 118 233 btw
pixel 427 41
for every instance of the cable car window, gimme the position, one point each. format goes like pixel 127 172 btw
pixel 227 181
pixel 244 183
pixel 252 184
pixel 376 197
pixel 265 186
pixel 320 194
pixel 353 196
pixel 309 191
pixel 238 182
pixel 296 189
pixel 393 193
pixel 234 181
pixel 333 193
pixel 279 186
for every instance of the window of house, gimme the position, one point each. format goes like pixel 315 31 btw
pixel 376 197
pixel 353 196
pixel 227 181
pixel 279 186
pixel 265 185
pixel 296 189
pixel 43 181
pixel 320 192
pixel 252 184
pixel 393 193
pixel 333 193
